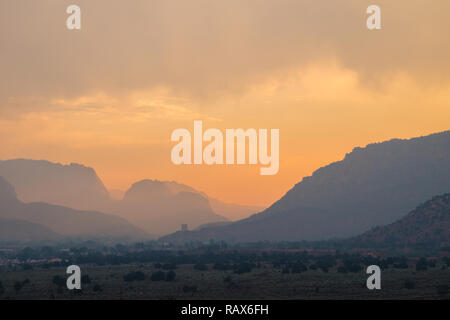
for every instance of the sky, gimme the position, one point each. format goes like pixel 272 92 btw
pixel 109 95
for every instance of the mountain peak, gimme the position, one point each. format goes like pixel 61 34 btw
pixel 73 185
pixel 374 185
pixel 7 192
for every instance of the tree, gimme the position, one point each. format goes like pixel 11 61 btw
pixel 201 267
pixel 97 288
pixel 170 276
pixel 409 284
pixel 134 276
pixel 169 266
pixel 422 265
pixel 85 279
pixel 443 289
pixel 158 276
pixel 187 289
pixel 18 286
pixel 59 281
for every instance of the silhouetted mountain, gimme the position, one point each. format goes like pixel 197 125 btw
pixel 371 186
pixel 74 185
pixel 63 220
pixel 428 224
pixel 230 211
pixel 23 231
pixel 79 187
pixel 161 207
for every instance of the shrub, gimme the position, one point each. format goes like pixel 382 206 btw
pixel 158 276
pixel 59 281
pixel 443 289
pixel 187 289
pixel 170 276
pixel 134 276
pixel 169 266
pixel 422 265
pixel 18 286
pixel 401 265
pixel 85 279
pixel 97 288
pixel 299 267
pixel 222 266
pixel 201 267
pixel 409 284
pixel 342 269
pixel 242 268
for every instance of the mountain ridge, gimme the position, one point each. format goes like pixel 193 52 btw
pixel 374 185
pixel 64 221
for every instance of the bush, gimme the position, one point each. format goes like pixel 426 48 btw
pixel 401 265
pixel 222 266
pixel 187 289
pixel 422 265
pixel 201 267
pixel 443 289
pixel 298 268
pixel 97 288
pixel 18 286
pixel 409 284
pixel 85 279
pixel 342 269
pixel 169 266
pixel 170 276
pixel 59 281
pixel 242 268
pixel 446 260
pixel 134 276
pixel 158 276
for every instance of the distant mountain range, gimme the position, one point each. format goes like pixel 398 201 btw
pixel 74 186
pixel 13 230
pixel 159 207
pixel 371 186
pixel 428 224
pixel 45 221
pixel 163 207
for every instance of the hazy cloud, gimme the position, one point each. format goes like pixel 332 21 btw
pixel 203 48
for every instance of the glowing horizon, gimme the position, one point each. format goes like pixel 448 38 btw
pixel 109 96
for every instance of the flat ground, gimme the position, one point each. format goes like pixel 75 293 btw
pixel 264 282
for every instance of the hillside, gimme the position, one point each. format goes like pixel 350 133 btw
pixel 428 224
pixel 79 187
pixel 74 185
pixel 65 221
pixel 23 231
pixel 162 207
pixel 371 186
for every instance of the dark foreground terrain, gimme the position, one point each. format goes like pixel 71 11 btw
pixel 223 274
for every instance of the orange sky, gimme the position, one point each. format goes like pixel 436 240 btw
pixel 110 95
